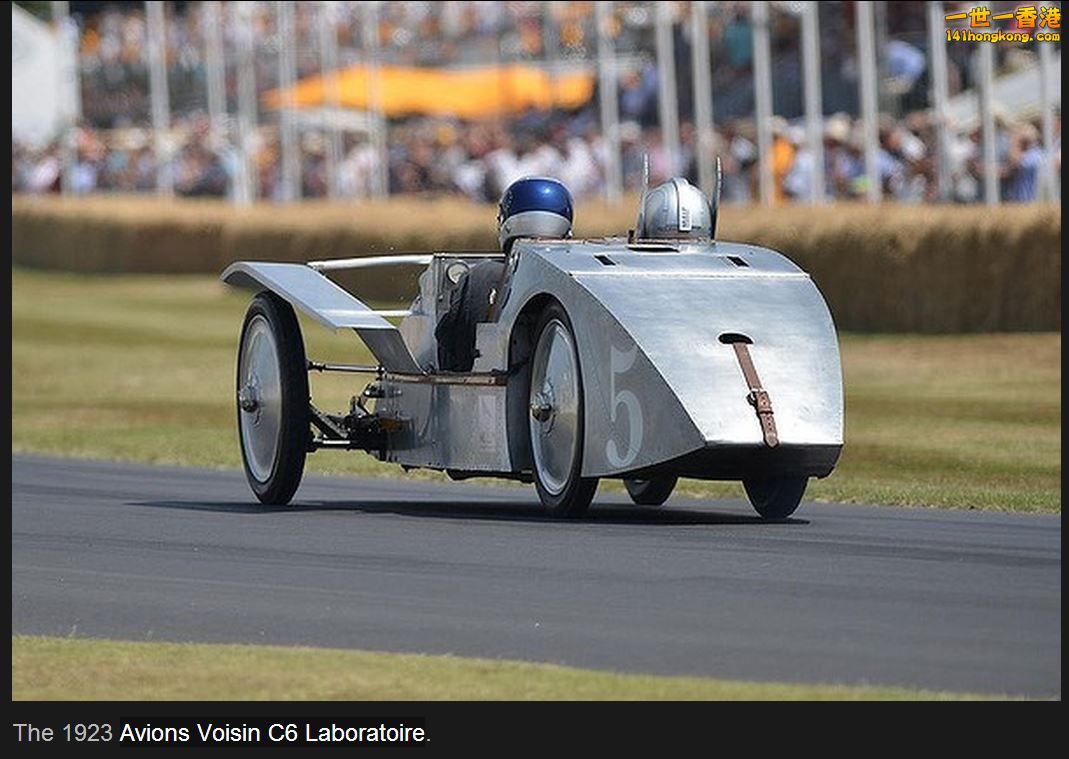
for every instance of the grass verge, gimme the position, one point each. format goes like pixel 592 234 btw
pixel 44 668
pixel 141 368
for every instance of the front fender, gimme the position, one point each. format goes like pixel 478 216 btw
pixel 632 419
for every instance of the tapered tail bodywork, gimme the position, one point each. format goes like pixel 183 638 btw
pixel 656 328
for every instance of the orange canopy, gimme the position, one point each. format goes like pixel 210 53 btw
pixel 465 93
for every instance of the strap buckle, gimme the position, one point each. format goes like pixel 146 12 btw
pixel 760 401
pixel 758 396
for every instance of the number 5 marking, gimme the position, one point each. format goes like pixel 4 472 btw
pixel 619 363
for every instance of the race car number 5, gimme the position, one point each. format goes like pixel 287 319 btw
pixel 620 362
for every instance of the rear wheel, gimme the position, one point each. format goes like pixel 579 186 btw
pixel 651 492
pixel 556 417
pixel 272 399
pixel 775 497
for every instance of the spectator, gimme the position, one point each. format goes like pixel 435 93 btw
pixel 783 153
pixel 1021 172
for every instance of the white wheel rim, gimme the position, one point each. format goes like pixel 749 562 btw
pixel 554 383
pixel 260 398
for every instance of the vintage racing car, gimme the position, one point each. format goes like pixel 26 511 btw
pixel 646 358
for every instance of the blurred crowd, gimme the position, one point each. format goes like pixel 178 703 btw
pixel 905 161
pixel 435 155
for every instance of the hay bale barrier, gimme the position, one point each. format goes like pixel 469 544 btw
pixel 886 268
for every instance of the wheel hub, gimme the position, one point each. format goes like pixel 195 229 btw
pixel 542 407
pixel 249 397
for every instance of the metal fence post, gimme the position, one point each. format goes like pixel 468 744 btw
pixel 986 63
pixel 703 97
pixel 610 110
pixel 666 76
pixel 937 62
pixel 866 52
pixel 159 95
pixel 814 107
pixel 762 72
pixel 71 81
pixel 290 173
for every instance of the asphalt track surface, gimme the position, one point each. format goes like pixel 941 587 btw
pixel 951 600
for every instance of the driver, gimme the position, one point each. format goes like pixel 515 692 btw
pixel 678 210
pixel 532 207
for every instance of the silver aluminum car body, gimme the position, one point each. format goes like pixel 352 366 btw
pixel 663 389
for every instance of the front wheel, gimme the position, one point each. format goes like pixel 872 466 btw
pixel 556 417
pixel 651 492
pixel 272 399
pixel 775 497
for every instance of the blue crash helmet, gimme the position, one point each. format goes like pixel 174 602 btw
pixel 534 207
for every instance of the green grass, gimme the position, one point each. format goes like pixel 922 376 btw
pixel 142 368
pixel 79 669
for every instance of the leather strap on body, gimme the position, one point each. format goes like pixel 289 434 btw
pixel 758 396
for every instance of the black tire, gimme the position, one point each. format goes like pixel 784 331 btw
pixel 274 483
pixel 574 497
pixel 651 492
pixel 775 497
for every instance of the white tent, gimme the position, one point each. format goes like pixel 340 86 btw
pixel 37 92
pixel 1016 93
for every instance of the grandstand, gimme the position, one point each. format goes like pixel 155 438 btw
pixel 188 129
